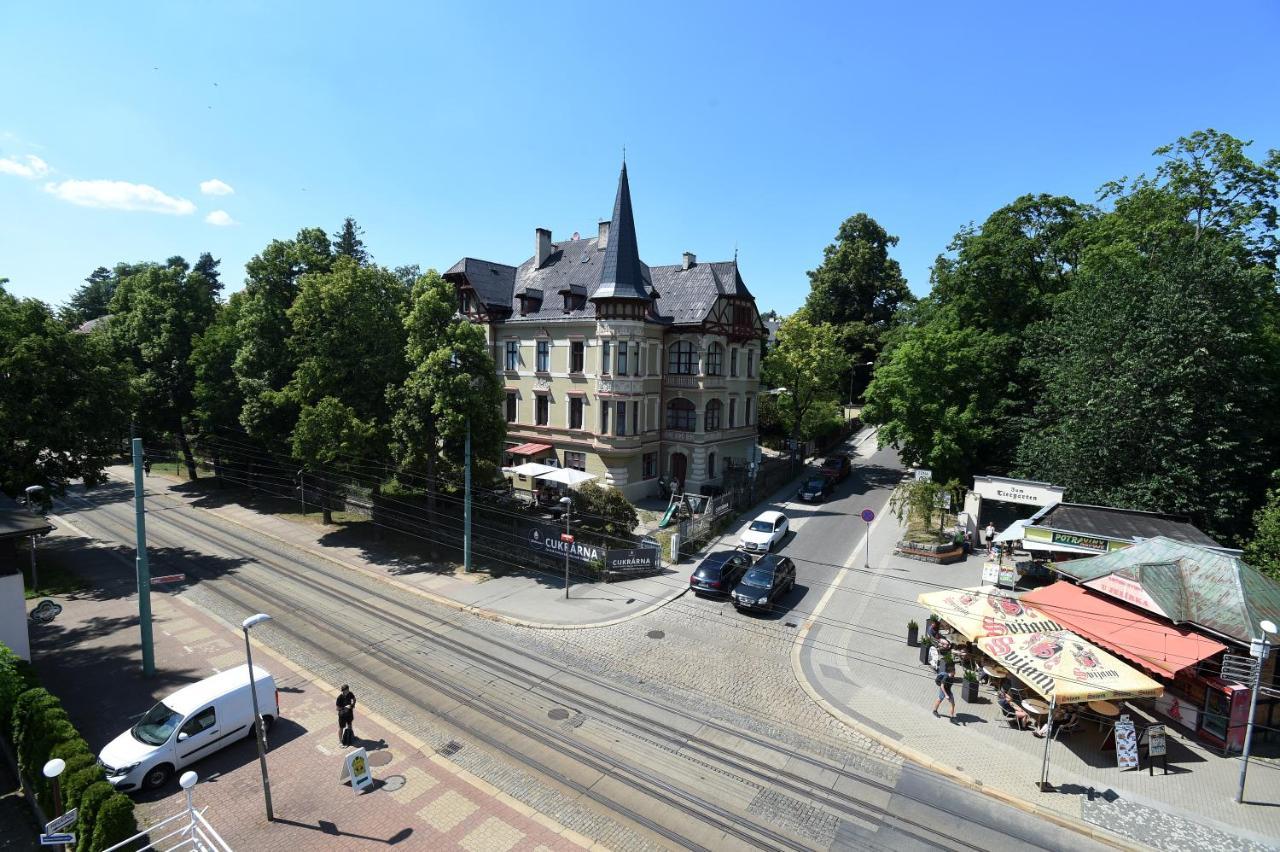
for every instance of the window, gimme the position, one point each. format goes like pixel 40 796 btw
pixel 620 423
pixel 202 721
pixel 511 407
pixel 575 356
pixel 711 465
pixel 747 420
pixel 680 358
pixel 733 363
pixel 715 359
pixel 605 353
pixel 604 418
pixel 681 415
pixel 467 303
pixel 575 412
pixel 513 355
pixel 575 461
pixel 711 422
pixel 542 409
pixel 751 363
pixel 544 356
pixel 635 418
pixel 622 358
pixel 655 360
pixel 733 412
pixel 650 465
pixel 651 417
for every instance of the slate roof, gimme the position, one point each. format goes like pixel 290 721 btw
pixel 1193 585
pixel 1121 523
pixel 579 267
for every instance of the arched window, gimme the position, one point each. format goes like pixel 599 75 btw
pixel 715 359
pixel 711 422
pixel 681 415
pixel 711 465
pixel 681 359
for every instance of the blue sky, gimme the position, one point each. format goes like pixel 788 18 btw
pixel 450 131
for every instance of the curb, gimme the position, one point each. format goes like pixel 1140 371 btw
pixel 412 741
pixel 921 759
pixel 441 599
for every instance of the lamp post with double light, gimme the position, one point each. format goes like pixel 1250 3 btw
pixel 1260 649
pixel 259 734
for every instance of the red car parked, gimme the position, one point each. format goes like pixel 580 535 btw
pixel 836 468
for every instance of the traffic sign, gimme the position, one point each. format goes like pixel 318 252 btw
pixel 566 538
pixel 56 839
pixel 868 515
pixel 61 822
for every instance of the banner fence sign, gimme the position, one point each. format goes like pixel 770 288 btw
pixel 545 539
pixel 630 562
pixel 1126 744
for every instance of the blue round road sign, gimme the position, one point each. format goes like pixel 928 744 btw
pixel 868 515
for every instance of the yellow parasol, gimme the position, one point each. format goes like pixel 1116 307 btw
pixel 984 611
pixel 1066 669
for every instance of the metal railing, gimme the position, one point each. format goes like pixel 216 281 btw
pixel 185 830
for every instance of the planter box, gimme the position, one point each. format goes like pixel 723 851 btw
pixel 969 691
pixel 913 635
pixel 924 654
pixel 941 554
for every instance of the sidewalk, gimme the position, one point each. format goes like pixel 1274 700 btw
pixel 524 598
pixel 420 800
pixel 857 665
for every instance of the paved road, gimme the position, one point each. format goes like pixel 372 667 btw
pixel 684 728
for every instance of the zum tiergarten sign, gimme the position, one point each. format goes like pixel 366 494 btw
pixel 1084 541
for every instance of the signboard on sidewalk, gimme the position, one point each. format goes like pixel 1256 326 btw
pixel 1126 744
pixel 57 839
pixel 990 573
pixel 626 562
pixel 355 768
pixel 1155 741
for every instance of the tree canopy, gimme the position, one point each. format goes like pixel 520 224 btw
pixel 804 368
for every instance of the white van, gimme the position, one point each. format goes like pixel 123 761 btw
pixel 194 722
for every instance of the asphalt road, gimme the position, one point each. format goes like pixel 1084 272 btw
pixel 681 729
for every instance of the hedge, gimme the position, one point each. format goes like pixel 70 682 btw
pixel 35 723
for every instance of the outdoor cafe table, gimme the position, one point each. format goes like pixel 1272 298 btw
pixel 1104 708
pixel 1035 706
pixel 995 674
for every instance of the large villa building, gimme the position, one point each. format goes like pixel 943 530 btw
pixel 627 371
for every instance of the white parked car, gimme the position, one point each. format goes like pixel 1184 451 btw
pixel 764 532
pixel 192 723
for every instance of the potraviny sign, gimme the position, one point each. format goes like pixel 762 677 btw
pixel 1061 665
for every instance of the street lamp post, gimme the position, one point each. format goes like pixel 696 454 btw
pixel 466 503
pixel 854 372
pixel 568 542
pixel 52 770
pixel 260 735
pixel 1263 649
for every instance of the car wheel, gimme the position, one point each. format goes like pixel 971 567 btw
pixel 157 776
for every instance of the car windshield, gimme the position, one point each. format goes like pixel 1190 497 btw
pixel 155 727
pixel 814 484
pixel 759 578
pixel 761 526
pixel 831 463
pixel 709 570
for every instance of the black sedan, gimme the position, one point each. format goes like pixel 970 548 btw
pixel 815 488
pixel 769 579
pixel 719 572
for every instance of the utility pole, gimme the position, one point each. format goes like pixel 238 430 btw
pixel 568 542
pixel 35 578
pixel 144 571
pixel 1260 650
pixel 466 504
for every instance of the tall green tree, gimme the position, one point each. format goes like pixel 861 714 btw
pixel 65 399
pixel 157 314
pixel 804 369
pixel 347 242
pixel 264 364
pixel 348 341
pixel 858 289
pixel 92 299
pixel 217 397
pixel 1263 548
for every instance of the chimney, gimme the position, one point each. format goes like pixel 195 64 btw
pixel 690 260
pixel 603 242
pixel 543 248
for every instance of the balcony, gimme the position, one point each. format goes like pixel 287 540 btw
pixel 676 380
pixel 620 385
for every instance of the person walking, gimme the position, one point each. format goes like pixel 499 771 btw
pixel 991 534
pixel 943 681
pixel 346 715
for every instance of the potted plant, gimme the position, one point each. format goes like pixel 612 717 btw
pixel 925 644
pixel 913 632
pixel 970 688
pixel 951 662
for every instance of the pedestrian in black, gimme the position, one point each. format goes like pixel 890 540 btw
pixel 942 679
pixel 346 715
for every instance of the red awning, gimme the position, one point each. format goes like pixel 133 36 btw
pixel 1156 646
pixel 529 449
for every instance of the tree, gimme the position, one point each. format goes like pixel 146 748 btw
pixel 207 266
pixel 1263 550
pixel 603 510
pixel 451 379
pixel 804 369
pixel 264 364
pixel 92 299
pixel 156 316
pixel 64 399
pixel 858 289
pixel 348 342
pixel 347 242
pixel 217 396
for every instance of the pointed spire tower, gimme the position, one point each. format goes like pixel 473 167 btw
pixel 623 293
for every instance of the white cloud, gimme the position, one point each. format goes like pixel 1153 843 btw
pixel 221 218
pixel 216 187
pixel 119 195
pixel 34 167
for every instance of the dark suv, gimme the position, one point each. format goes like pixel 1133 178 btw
pixel 815 488
pixel 719 572
pixel 836 468
pixel 769 579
